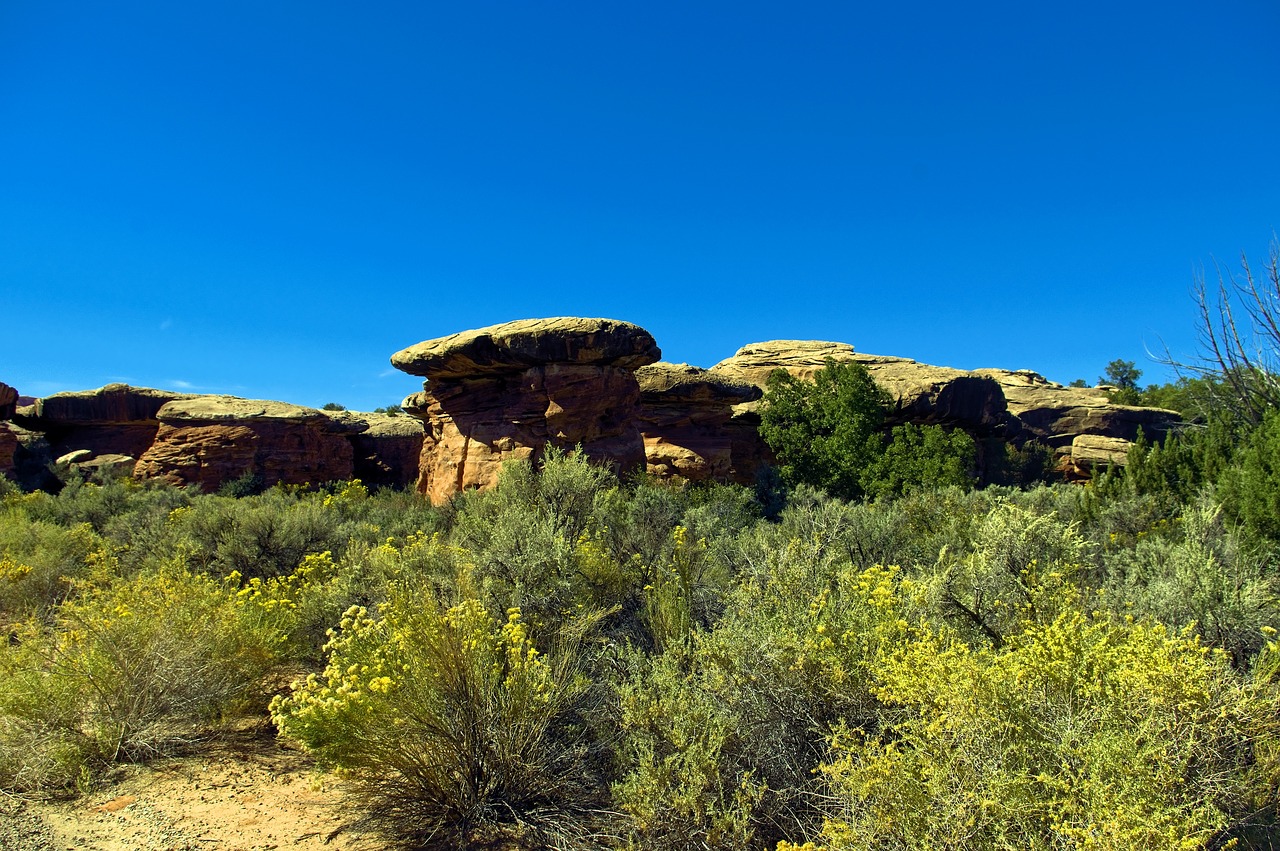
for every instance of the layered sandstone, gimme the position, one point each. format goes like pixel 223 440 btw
pixel 509 391
pixel 8 438
pixel 113 420
pixel 920 393
pixel 211 440
pixel 386 448
pixel 684 420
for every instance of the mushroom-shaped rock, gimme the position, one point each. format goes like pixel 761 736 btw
pixel 684 415
pixel 509 391
pixel 210 440
pixel 516 346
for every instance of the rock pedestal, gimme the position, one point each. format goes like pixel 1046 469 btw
pixel 511 390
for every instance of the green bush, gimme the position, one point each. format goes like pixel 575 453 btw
pixel 453 727
pixel 826 433
pixel 921 458
pixel 1250 488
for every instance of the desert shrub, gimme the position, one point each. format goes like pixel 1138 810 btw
pixel 131 669
pixel 1001 581
pixel 263 536
pixel 686 785
pixel 721 736
pixel 522 535
pixel 1198 571
pixel 40 562
pixel 1085 731
pixel 453 726
pixel 921 457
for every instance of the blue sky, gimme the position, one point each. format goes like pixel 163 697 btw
pixel 269 199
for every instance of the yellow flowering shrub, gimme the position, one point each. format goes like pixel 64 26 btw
pixel 131 666
pixel 449 720
pixel 1089 731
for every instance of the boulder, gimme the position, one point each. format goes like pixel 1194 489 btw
pixel 684 415
pixel 211 440
pixel 509 391
pixel 1090 452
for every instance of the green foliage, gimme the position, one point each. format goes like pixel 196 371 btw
pixel 452 725
pixel 1196 570
pixel 1250 489
pixel 1123 375
pixel 333 406
pixel 137 667
pixel 1013 667
pixel 389 410
pixel 826 433
pixel 921 457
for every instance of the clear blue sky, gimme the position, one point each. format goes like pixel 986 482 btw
pixel 269 199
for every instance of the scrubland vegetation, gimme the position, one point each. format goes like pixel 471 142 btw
pixel 570 661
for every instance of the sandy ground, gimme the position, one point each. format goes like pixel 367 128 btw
pixel 240 795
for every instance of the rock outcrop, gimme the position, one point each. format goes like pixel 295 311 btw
pixel 8 438
pixel 511 390
pixel 113 420
pixel 211 440
pixel 921 393
pixel 684 419
pixel 1059 417
pixel 386 448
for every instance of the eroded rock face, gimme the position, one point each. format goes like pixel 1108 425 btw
pixel 1055 414
pixel 8 401
pixel 921 393
pixel 684 419
pixel 113 420
pixel 385 448
pixel 509 391
pixel 210 440
pixel 8 450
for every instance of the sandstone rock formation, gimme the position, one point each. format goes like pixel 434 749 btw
pixel 1017 406
pixel 8 401
pixel 113 420
pixel 921 393
pixel 1059 417
pixel 211 440
pixel 8 438
pixel 386 448
pixel 684 419
pixel 510 390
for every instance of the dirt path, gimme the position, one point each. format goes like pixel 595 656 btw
pixel 238 796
